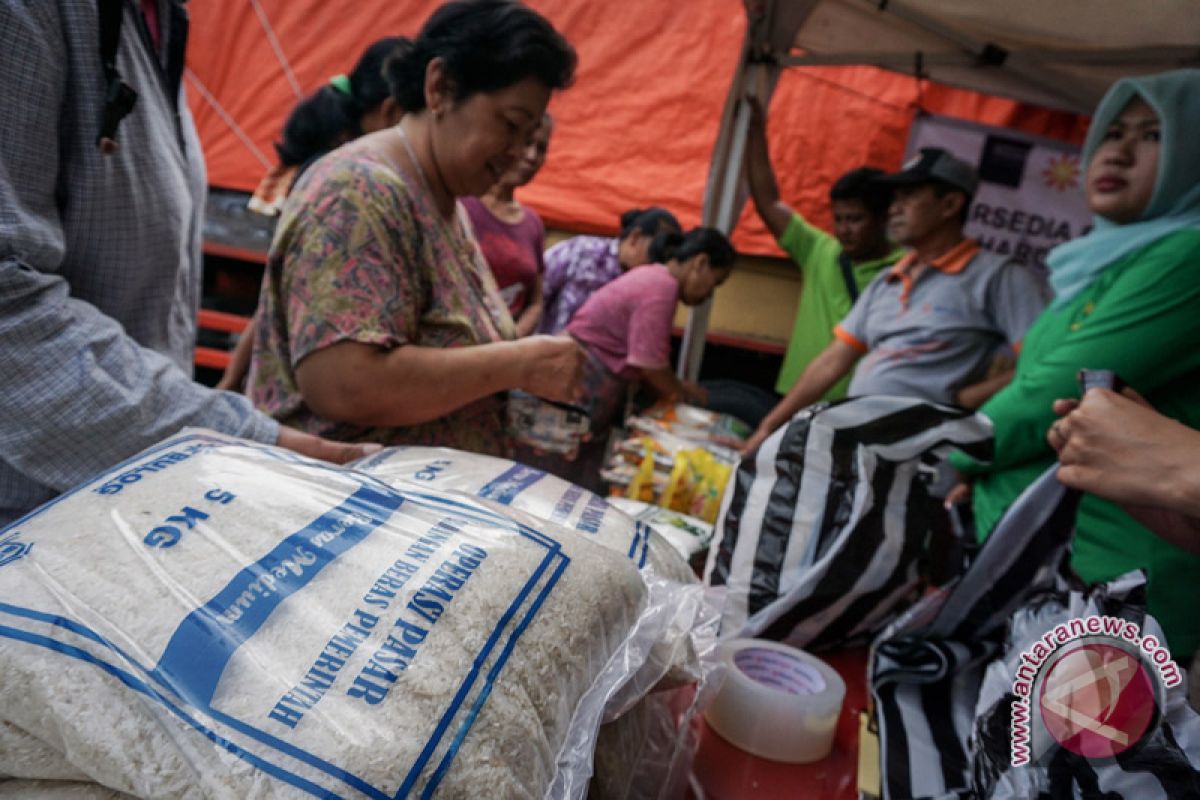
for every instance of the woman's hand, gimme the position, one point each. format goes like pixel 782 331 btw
pixel 552 368
pixel 312 446
pixel 756 439
pixel 1118 447
pixel 234 377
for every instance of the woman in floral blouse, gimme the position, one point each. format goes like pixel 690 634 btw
pixel 380 320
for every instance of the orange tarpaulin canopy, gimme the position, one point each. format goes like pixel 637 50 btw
pixel 638 127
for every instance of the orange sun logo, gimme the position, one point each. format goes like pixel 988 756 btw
pixel 1062 172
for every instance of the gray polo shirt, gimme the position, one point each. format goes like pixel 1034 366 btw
pixel 930 337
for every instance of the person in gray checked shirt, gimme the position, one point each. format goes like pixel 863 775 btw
pixel 100 252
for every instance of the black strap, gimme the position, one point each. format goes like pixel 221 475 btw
pixel 110 12
pixel 848 276
pixel 177 36
pixel 119 97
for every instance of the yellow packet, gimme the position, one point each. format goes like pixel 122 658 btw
pixel 681 485
pixel 712 476
pixel 642 485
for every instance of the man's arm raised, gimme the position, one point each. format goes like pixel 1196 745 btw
pixel 764 190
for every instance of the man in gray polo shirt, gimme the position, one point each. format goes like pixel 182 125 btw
pixel 931 325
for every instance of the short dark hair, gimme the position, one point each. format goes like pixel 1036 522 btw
pixel 650 221
pixel 321 121
pixel 682 246
pixel 943 188
pixel 487 45
pixel 862 184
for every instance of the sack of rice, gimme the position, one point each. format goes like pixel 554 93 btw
pixel 626 766
pixel 220 619
pixel 535 492
pixel 57 790
pixel 29 757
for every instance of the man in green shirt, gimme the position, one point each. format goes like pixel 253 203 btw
pixel 834 269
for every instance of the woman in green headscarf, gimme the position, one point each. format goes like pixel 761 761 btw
pixel 1127 299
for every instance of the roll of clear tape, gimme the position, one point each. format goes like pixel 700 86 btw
pixel 777 702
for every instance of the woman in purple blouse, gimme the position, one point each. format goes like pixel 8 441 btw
pixel 581 265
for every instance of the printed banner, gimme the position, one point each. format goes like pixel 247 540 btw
pixel 1030 194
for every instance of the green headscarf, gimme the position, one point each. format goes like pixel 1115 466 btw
pixel 1175 204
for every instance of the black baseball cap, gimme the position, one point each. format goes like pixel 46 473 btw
pixel 935 164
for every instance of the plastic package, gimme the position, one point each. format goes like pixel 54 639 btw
pixel 544 426
pixel 634 752
pixel 37 758
pixel 691 481
pixel 697 484
pixel 679 457
pixel 643 481
pixel 699 427
pixel 215 618
pixel 689 535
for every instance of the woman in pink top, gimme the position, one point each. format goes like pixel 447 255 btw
pixel 511 235
pixel 626 325
pixel 625 330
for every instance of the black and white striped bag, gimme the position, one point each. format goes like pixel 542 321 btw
pixel 942 676
pixel 823 531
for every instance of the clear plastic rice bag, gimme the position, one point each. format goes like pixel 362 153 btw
pixel 534 491
pixel 216 618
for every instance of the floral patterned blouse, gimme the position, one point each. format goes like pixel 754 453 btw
pixel 361 254
pixel 573 270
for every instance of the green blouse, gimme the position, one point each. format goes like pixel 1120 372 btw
pixel 1141 319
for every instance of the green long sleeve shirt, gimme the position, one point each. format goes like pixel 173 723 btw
pixel 1141 319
